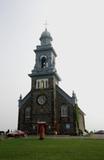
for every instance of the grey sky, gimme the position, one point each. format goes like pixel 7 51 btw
pixel 77 28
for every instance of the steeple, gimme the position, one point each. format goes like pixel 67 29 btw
pixel 45 57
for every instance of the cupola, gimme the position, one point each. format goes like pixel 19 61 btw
pixel 45 38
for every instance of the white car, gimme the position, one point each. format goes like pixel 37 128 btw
pixel 17 133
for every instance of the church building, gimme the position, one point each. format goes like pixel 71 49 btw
pixel 46 101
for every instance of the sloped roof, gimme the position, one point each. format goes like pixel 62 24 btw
pixel 65 95
pixel 70 99
pixel 25 99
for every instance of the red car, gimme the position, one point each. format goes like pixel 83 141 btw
pixel 16 133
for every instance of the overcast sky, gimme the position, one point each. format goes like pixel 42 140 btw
pixel 77 28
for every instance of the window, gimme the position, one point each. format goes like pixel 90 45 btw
pixel 41 83
pixel 27 113
pixel 64 111
pixel 43 62
pixel 67 126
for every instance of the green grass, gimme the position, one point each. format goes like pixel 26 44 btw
pixel 51 149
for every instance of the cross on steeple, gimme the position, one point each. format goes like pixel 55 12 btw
pixel 45 24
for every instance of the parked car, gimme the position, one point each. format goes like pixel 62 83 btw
pixel 99 132
pixel 17 133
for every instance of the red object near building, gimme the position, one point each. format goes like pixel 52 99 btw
pixel 41 130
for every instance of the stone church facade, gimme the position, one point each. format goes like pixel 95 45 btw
pixel 46 101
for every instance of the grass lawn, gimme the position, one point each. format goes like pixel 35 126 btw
pixel 51 149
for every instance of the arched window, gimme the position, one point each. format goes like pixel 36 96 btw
pixel 27 113
pixel 42 83
pixel 64 111
pixel 43 62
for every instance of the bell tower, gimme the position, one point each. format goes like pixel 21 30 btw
pixel 45 62
pixel 44 80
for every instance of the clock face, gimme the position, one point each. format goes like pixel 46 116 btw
pixel 41 99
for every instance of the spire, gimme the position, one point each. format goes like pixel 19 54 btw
pixel 74 97
pixel 19 101
pixel 45 25
pixel 20 98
